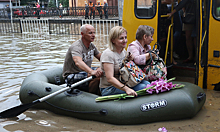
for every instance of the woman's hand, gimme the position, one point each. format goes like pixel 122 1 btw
pixel 130 56
pixel 154 55
pixel 130 91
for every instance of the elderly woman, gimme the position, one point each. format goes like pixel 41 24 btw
pixel 111 61
pixel 140 47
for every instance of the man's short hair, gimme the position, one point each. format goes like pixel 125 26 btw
pixel 83 28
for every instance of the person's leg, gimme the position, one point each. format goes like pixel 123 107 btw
pixel 9 15
pixel 94 14
pixel 100 13
pixel 111 91
pixel 61 12
pixel 189 44
pixel 194 35
pixel 38 14
pixel 141 85
pixel 106 15
pixel 177 33
pixel 90 14
pixel 145 82
pixel 94 86
pixel 194 41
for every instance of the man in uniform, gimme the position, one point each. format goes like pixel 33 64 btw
pixel 99 8
pixel 106 9
pixel 92 10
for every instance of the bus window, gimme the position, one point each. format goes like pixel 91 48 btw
pixel 216 9
pixel 145 8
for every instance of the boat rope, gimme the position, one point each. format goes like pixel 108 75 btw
pixel 101 112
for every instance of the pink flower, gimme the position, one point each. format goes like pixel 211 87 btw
pixel 170 85
pixel 163 129
pixel 164 89
pixel 150 91
pixel 160 86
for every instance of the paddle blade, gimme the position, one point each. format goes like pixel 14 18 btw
pixel 17 110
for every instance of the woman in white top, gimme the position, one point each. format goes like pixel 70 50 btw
pixel 111 61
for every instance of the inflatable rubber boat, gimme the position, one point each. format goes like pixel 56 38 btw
pixel 176 104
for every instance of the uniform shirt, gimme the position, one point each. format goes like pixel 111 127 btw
pixel 105 6
pixel 78 49
pixel 91 6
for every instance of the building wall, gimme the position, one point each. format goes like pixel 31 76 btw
pixel 3 4
pixel 112 2
pixel 82 2
pixel 144 3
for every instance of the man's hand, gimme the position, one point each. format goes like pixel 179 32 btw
pixel 98 72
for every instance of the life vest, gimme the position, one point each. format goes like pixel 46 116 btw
pixel 91 6
pixel 99 3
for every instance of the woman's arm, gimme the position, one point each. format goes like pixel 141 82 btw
pixel 109 72
pixel 138 58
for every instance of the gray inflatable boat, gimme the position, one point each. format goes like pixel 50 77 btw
pixel 176 104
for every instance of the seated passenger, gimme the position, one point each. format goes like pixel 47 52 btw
pixel 141 46
pixel 111 61
pixel 140 49
pixel 80 55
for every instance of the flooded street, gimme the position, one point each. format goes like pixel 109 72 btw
pixel 23 54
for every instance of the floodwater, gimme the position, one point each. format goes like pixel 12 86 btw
pixel 23 54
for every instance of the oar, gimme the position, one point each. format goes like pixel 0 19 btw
pixel 17 110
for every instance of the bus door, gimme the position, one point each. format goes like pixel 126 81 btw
pixel 211 48
pixel 140 12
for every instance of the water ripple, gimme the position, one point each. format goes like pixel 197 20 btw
pixel 23 54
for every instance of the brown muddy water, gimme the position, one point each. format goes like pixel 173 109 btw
pixel 23 54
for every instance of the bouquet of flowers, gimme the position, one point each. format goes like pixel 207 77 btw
pixel 157 86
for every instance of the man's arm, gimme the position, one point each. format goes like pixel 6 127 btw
pixel 80 64
pixel 98 56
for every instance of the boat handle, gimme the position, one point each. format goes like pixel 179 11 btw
pixel 201 96
pixel 103 112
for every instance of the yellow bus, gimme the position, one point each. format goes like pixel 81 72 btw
pixel 206 68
